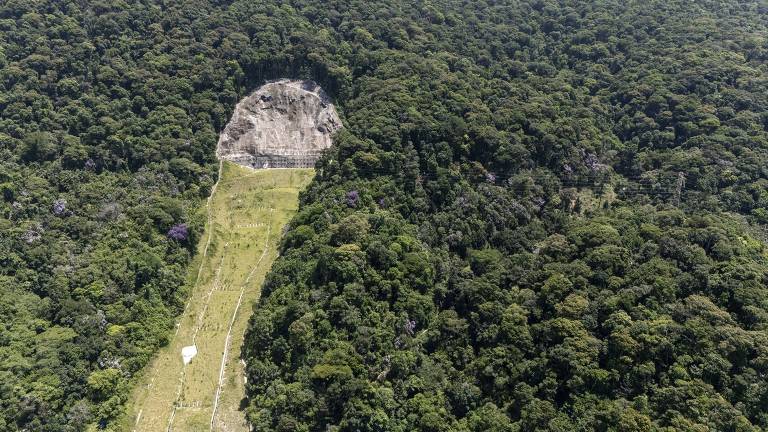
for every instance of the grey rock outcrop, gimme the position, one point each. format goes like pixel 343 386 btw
pixel 283 124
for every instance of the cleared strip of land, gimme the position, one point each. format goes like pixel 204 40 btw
pixel 247 213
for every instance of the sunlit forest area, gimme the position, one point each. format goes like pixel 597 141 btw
pixel 539 216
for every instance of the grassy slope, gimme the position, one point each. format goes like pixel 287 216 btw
pixel 247 214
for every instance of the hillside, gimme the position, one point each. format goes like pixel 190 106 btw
pixel 248 211
pixel 540 215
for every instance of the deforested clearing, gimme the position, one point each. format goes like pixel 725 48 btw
pixel 248 211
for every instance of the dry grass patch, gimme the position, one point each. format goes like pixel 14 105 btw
pixel 248 211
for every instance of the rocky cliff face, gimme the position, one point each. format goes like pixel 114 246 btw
pixel 282 124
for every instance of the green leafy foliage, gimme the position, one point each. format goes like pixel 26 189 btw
pixel 520 251
pixel 103 148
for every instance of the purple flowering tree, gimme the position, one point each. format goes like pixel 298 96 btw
pixel 178 232
pixel 353 197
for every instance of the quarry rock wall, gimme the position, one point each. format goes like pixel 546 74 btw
pixel 283 124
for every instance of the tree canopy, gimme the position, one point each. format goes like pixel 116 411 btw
pixel 541 214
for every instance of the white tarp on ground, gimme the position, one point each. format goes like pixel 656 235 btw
pixel 188 352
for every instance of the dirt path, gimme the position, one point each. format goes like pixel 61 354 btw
pixel 246 209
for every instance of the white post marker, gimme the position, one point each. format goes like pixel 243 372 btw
pixel 187 353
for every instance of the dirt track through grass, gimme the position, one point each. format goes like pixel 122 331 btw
pixel 247 213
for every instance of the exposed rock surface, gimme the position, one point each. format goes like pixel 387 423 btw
pixel 284 123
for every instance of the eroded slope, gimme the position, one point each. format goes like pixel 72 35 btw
pixel 247 214
pixel 286 123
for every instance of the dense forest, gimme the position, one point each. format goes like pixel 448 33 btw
pixel 541 215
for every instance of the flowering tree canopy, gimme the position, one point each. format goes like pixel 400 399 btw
pixel 352 198
pixel 179 232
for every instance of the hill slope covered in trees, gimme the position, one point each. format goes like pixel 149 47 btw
pixel 538 218
pixel 541 215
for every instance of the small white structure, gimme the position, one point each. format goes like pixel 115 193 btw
pixel 187 353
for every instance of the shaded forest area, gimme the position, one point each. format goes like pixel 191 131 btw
pixel 542 215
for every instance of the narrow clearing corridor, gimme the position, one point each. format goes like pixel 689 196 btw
pixel 246 215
